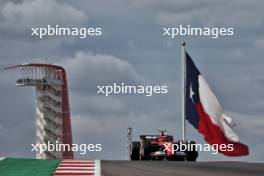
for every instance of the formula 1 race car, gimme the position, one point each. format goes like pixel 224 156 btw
pixel 160 147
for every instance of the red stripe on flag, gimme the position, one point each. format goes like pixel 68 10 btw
pixel 214 135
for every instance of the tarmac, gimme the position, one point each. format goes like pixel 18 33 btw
pixel 173 168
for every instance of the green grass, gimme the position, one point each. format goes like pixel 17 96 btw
pixel 27 167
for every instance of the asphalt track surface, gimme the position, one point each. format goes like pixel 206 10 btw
pixel 172 168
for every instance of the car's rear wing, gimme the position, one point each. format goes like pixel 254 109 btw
pixel 148 136
pixel 151 137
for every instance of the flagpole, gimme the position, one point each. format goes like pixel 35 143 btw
pixel 183 88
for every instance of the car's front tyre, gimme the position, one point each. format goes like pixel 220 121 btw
pixel 134 150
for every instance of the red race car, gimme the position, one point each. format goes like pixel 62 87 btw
pixel 160 147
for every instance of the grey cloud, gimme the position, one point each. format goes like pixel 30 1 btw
pixel 259 43
pixel 98 106
pixel 239 13
pixel 40 12
pixel 87 71
pixel 17 118
pixel 18 18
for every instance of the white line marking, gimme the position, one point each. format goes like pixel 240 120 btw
pixel 76 164
pixel 74 167
pixel 97 168
pixel 2 158
pixel 73 171
pixel 72 160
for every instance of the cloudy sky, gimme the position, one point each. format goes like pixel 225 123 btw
pixel 133 50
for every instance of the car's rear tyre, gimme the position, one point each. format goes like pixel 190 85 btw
pixel 134 150
pixel 191 155
pixel 146 147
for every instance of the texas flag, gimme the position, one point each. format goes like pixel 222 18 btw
pixel 204 113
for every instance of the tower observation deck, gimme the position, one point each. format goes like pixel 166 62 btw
pixel 53 123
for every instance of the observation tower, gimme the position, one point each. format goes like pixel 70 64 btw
pixel 53 123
